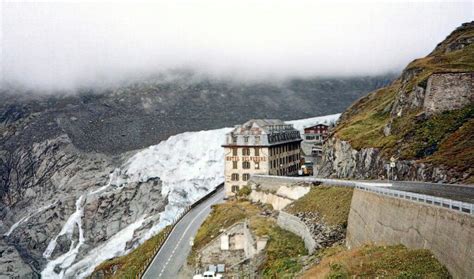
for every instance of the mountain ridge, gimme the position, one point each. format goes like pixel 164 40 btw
pixel 423 119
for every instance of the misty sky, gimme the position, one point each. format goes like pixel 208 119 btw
pixel 62 45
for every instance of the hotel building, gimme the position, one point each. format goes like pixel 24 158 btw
pixel 260 146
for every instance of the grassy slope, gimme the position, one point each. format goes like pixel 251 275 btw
pixel 222 216
pixel 377 261
pixel 362 124
pixel 127 266
pixel 282 249
pixel 333 203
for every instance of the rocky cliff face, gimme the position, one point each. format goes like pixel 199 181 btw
pixel 58 204
pixel 343 161
pixel 423 120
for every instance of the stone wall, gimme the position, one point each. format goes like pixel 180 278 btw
pixel 295 225
pixel 448 92
pixel 385 220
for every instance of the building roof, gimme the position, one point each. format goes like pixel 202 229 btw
pixel 262 132
pixel 263 126
pixel 313 126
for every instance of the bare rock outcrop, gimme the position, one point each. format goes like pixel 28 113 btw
pixel 342 161
pixel 57 199
pixel 446 92
pixel 12 264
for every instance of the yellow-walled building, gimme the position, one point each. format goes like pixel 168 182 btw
pixel 260 146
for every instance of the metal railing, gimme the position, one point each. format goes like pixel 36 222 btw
pixel 378 187
pixel 335 182
pixel 436 201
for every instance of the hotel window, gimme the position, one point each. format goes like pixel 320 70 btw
pixel 235 177
pixel 246 139
pixel 257 151
pixel 246 151
pixel 257 139
pixel 234 139
pixel 234 164
pixel 246 165
pixel 235 188
pixel 257 166
pixel 234 151
pixel 245 176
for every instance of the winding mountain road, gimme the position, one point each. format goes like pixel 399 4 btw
pixel 172 256
pixel 175 250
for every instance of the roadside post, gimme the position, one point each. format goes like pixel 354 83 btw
pixel 393 164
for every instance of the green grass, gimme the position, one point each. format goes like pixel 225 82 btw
pixel 424 137
pixel 378 261
pixel 333 203
pixel 129 265
pixel 282 253
pixel 458 147
pixel 364 121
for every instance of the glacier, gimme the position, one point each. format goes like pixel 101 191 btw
pixel 189 165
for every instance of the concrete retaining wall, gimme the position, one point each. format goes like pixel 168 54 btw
pixel 276 191
pixel 277 202
pixel 384 220
pixel 295 225
pixel 271 183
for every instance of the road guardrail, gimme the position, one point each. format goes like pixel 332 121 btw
pixel 436 201
pixel 383 188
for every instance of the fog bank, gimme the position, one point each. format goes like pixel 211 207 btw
pixel 66 45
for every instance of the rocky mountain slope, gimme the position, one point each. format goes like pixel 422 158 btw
pixel 74 189
pixel 144 112
pixel 424 120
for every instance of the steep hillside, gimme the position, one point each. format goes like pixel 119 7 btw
pixel 377 262
pixel 424 120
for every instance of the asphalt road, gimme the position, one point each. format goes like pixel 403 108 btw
pixel 457 192
pixel 174 252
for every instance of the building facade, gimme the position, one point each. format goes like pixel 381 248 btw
pixel 260 146
pixel 317 133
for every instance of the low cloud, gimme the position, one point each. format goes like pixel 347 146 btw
pixel 65 45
